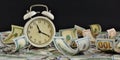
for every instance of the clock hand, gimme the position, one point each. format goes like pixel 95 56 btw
pixel 39 31
pixel 45 34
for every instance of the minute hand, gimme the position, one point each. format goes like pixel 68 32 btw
pixel 45 34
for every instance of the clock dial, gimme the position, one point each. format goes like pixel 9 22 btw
pixel 40 31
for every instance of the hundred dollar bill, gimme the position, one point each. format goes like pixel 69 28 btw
pixel 69 34
pixel 16 32
pixel 79 29
pixel 83 44
pixel 95 29
pixel 2 37
pixel 63 47
pixel 111 33
pixel 4 34
pixel 117 45
pixel 20 42
pixel 105 44
pixel 87 33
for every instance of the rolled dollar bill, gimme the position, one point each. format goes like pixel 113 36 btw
pixel 83 44
pixel 95 29
pixel 69 34
pixel 79 29
pixel 16 32
pixel 111 33
pixel 20 42
pixel 87 33
pixel 3 35
pixel 63 47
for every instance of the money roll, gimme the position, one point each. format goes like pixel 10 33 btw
pixel 117 45
pixel 19 43
pixel 95 29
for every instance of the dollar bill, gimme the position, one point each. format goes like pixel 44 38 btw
pixel 79 29
pixel 20 42
pixel 100 58
pixel 16 32
pixel 103 35
pixel 83 44
pixel 95 29
pixel 4 34
pixel 69 34
pixel 111 33
pixel 87 33
pixel 105 44
pixel 116 57
pixel 57 34
pixel 63 47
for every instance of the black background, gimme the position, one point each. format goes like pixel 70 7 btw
pixel 67 13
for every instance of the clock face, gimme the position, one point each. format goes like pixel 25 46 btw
pixel 39 31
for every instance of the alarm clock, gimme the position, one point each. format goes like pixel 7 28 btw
pixel 39 30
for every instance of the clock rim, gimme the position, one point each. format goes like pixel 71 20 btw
pixel 26 27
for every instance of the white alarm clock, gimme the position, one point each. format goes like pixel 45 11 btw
pixel 39 30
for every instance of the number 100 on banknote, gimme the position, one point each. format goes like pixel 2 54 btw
pixel 105 44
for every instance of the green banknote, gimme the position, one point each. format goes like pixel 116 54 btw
pixel 63 47
pixel 95 29
pixel 20 42
pixel 83 44
pixel 16 32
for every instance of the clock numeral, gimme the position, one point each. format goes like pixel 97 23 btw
pixel 28 32
pixel 39 42
pixel 33 23
pixel 31 27
pixel 45 40
pixel 35 41
pixel 48 26
pixel 44 22
pixel 30 37
pixel 39 21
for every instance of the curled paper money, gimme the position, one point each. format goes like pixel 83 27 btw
pixel 3 35
pixel 87 33
pixel 63 47
pixel 20 42
pixel 117 45
pixel 95 29
pixel 111 33
pixel 69 34
pixel 79 29
pixel 16 32
pixel 83 44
